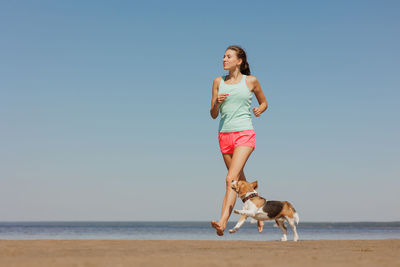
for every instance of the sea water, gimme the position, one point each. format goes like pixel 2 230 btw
pixel 194 231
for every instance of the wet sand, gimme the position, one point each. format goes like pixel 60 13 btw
pixel 199 253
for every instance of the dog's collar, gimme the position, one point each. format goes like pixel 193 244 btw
pixel 249 196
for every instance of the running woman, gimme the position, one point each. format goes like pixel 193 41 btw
pixel 231 96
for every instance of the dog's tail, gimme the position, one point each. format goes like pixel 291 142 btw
pixel 295 214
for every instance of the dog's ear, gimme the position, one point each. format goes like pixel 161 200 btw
pixel 254 185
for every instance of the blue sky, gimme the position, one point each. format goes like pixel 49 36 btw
pixel 104 108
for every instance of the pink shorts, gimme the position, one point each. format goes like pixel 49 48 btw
pixel 228 141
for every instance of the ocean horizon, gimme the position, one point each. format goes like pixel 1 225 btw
pixel 192 230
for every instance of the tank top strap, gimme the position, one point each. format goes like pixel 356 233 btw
pixel 243 79
pixel 223 78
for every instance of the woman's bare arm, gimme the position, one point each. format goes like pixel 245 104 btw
pixel 214 100
pixel 262 101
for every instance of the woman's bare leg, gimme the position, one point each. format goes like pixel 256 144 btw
pixel 239 159
pixel 228 160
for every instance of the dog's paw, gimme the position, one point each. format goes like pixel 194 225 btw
pixel 283 238
pixel 231 231
pixel 236 211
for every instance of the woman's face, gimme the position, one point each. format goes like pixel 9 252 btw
pixel 230 60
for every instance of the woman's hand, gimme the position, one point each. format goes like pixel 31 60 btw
pixel 221 98
pixel 257 112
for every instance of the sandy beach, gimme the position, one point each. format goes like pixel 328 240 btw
pixel 199 253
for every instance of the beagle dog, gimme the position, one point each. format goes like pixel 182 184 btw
pixel 261 209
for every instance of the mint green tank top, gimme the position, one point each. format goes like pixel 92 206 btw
pixel 235 110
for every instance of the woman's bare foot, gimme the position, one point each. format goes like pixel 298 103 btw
pixel 218 227
pixel 260 226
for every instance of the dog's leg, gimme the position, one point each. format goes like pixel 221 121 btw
pixel 245 212
pixel 281 225
pixel 242 219
pixel 291 223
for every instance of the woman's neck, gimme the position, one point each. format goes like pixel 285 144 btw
pixel 234 74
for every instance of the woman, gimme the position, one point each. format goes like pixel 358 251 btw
pixel 231 96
